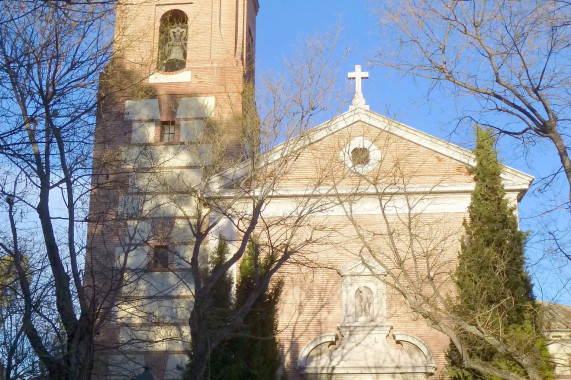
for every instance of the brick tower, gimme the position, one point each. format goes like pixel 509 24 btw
pixel 178 75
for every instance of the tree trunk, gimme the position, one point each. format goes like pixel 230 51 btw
pixel 563 154
pixel 80 354
pixel 200 346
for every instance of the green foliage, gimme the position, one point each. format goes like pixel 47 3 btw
pixel 259 349
pixel 494 289
pixel 219 307
pixel 255 351
pixel 220 301
pixel 7 278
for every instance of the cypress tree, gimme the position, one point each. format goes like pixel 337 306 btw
pixel 494 289
pixel 221 304
pixel 254 353
pixel 219 311
pixel 258 349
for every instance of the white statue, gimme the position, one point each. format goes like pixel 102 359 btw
pixel 364 304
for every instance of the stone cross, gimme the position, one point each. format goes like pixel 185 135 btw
pixel 358 99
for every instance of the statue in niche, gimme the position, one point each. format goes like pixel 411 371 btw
pixel 364 304
pixel 175 49
pixel 173 35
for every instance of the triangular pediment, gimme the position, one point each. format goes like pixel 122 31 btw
pixel 362 267
pixel 514 180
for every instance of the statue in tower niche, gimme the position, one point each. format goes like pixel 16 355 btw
pixel 175 49
pixel 173 35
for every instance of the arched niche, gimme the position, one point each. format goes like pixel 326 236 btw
pixel 363 292
pixel 173 37
pixel 366 347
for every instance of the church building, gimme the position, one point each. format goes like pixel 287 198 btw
pixel 373 207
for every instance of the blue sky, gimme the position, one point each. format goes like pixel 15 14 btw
pixel 283 23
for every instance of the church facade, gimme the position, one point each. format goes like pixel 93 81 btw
pixel 375 207
pixel 391 224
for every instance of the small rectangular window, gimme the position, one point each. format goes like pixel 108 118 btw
pixel 167 131
pixel 161 257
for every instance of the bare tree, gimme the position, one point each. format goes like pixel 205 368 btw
pixel 149 209
pixel 51 57
pixel 237 196
pixel 505 63
pixel 17 357
pixel 510 56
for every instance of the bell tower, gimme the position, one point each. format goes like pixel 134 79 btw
pixel 181 48
pixel 169 101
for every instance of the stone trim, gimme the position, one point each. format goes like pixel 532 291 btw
pixel 361 142
pixel 512 176
pixel 181 77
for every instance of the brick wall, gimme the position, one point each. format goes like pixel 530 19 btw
pixel 134 93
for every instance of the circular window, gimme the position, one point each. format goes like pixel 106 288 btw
pixel 360 155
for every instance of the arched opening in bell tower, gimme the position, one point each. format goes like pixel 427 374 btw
pixel 173 36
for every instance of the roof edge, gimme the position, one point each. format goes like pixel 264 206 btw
pixel 516 179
